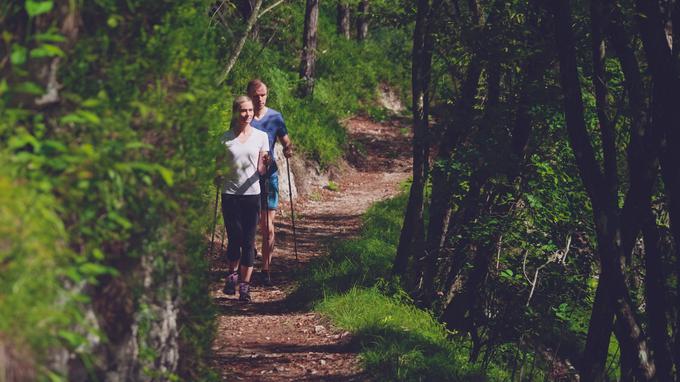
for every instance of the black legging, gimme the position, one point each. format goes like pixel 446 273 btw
pixel 241 213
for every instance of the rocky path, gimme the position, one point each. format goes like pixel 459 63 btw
pixel 267 339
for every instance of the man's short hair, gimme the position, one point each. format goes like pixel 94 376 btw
pixel 254 84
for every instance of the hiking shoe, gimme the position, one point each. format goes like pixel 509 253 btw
pixel 265 278
pixel 244 292
pixel 230 285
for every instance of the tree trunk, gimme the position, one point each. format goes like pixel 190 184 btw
pixel 602 315
pixel 421 61
pixel 362 20
pixel 343 19
pixel 605 208
pixel 469 210
pixel 440 201
pixel 462 306
pixel 246 8
pixel 645 141
pixel 600 328
pixel 309 41
pixel 655 296
pixel 626 355
pixel 442 182
pixel 665 115
pixel 237 50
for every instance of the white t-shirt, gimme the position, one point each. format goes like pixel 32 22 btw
pixel 242 177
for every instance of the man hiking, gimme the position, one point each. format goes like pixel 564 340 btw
pixel 271 122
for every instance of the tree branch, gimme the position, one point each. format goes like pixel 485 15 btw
pixel 237 50
pixel 269 8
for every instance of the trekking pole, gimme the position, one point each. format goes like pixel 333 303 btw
pixel 212 238
pixel 292 209
pixel 265 234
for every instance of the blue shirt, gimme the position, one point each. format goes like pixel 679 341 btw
pixel 272 124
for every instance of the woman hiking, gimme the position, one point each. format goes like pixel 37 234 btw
pixel 245 157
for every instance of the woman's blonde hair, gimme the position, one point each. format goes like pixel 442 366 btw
pixel 236 106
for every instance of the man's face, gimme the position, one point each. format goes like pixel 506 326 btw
pixel 259 97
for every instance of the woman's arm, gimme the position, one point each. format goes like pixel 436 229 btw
pixel 262 162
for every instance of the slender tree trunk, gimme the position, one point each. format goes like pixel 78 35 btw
pixel 470 207
pixel 604 208
pixel 246 8
pixel 599 332
pixel 442 182
pixel 645 141
pixel 462 306
pixel 343 19
pixel 421 61
pixel 655 296
pixel 602 315
pixel 309 42
pixel 237 50
pixel 362 20
pixel 440 207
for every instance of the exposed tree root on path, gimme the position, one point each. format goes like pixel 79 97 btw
pixel 268 339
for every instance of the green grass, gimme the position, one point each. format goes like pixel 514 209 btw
pixel 397 341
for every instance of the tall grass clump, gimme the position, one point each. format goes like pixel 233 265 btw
pixel 398 341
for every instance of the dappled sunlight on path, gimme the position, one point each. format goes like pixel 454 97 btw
pixel 270 339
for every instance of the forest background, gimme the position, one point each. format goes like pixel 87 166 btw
pixel 538 239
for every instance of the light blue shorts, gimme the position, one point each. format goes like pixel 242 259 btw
pixel 269 195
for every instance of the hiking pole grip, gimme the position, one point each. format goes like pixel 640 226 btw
pixel 292 209
pixel 212 237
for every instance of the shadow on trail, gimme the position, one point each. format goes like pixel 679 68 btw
pixel 288 350
pixel 386 145
pixel 231 306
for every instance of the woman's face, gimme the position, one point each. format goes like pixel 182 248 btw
pixel 245 113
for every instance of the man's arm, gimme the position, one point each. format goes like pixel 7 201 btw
pixel 287 146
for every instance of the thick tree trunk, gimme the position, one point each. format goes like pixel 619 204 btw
pixel 309 42
pixel 605 208
pixel 421 61
pixel 343 20
pixel 663 65
pixel 362 20
pixel 626 355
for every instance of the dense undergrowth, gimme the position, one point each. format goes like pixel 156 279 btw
pixel 397 340
pixel 106 195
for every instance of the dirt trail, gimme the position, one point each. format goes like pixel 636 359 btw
pixel 267 340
